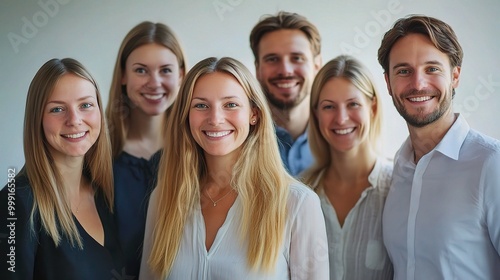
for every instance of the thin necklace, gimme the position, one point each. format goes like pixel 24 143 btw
pixel 215 202
pixel 78 207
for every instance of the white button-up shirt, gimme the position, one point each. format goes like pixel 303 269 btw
pixel 304 250
pixel 356 249
pixel 442 215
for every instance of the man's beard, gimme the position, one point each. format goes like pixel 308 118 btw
pixel 422 120
pixel 284 105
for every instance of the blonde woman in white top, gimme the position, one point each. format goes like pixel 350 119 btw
pixel 350 177
pixel 224 206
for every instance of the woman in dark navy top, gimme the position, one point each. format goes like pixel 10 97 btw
pixel 149 68
pixel 61 224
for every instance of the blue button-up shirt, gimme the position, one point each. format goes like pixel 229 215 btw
pixel 296 155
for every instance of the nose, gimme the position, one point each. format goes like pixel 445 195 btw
pixel 419 80
pixel 73 117
pixel 154 81
pixel 285 68
pixel 342 115
pixel 216 116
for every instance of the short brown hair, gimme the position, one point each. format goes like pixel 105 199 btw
pixel 285 20
pixel 441 34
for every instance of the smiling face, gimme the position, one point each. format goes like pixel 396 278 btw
pixel 220 115
pixel 420 80
pixel 71 117
pixel 286 67
pixel 152 78
pixel 343 114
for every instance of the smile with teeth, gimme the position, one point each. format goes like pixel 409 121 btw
pixel 74 136
pixel 153 96
pixel 217 133
pixel 285 85
pixel 344 131
pixel 420 98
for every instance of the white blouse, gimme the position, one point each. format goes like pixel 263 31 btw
pixel 304 251
pixel 356 248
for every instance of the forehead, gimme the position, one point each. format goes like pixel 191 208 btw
pixel 152 54
pixel 416 49
pixel 284 41
pixel 70 86
pixel 338 89
pixel 218 85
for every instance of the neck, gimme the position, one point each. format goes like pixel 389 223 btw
pixel 71 174
pixel 352 166
pixel 144 134
pixel 294 120
pixel 424 139
pixel 219 172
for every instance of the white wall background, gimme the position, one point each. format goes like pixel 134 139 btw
pixel 34 31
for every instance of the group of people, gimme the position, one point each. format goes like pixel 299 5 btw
pixel 212 173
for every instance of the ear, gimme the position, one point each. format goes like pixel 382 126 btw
pixel 181 75
pixel 318 62
pixel 124 78
pixel 254 116
pixel 374 106
pixel 455 76
pixel 257 71
pixel 387 82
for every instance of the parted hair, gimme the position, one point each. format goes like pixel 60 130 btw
pixel 258 176
pixel 118 108
pixel 351 69
pixel 440 33
pixel 50 198
pixel 284 20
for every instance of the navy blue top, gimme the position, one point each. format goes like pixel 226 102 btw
pixel 135 179
pixel 296 155
pixel 32 253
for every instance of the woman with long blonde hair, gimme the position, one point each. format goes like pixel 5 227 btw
pixel 350 176
pixel 224 206
pixel 62 199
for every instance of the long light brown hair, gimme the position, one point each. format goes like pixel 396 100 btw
pixel 118 109
pixel 258 176
pixel 50 197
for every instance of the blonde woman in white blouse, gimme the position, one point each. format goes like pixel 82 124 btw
pixel 350 177
pixel 224 206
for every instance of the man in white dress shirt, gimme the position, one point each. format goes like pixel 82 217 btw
pixel 442 215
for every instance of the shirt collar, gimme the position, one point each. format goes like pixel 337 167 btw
pixel 453 139
pixel 450 144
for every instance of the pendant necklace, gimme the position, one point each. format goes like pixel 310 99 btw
pixel 216 201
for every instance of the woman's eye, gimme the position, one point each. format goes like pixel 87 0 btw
pixel 200 106
pixel 87 105
pixel 56 110
pixel 232 105
pixel 140 70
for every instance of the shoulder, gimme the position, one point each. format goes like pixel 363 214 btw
pixel 384 168
pixel 19 191
pixel 479 147
pixel 300 196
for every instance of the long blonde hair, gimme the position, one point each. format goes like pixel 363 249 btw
pixel 45 180
pixel 118 109
pixel 258 176
pixel 354 71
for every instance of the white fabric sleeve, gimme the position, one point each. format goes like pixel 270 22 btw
pixel 308 244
